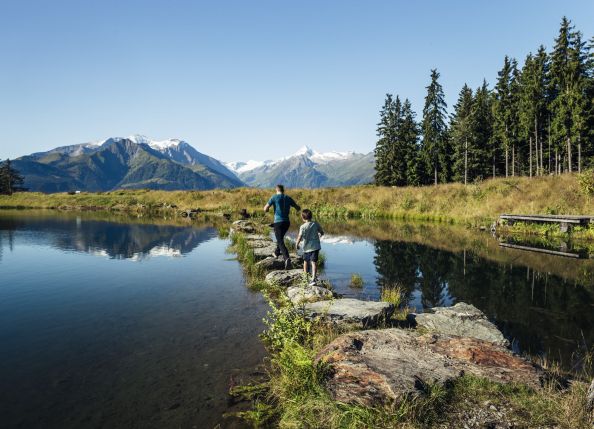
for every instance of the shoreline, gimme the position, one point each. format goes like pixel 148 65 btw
pixel 298 374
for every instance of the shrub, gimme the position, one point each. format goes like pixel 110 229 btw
pixel 356 281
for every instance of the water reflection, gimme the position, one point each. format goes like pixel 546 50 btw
pixel 113 240
pixel 543 303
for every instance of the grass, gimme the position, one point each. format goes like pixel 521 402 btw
pixel 392 294
pixel 476 204
pixel 356 281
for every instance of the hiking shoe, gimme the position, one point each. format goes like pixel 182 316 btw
pixel 313 282
pixel 288 264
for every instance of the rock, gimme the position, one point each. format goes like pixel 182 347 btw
pixel 302 294
pixel 463 320
pixel 264 252
pixel 243 226
pixel 284 278
pixel 590 398
pixel 376 367
pixel 258 244
pixel 271 263
pixel 250 237
pixel 348 310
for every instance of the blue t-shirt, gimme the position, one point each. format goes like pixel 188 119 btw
pixel 282 205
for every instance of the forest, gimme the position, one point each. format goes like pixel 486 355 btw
pixel 537 120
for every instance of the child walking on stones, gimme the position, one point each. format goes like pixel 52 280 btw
pixel 310 232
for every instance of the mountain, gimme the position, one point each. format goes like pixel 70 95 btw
pixel 124 163
pixel 308 169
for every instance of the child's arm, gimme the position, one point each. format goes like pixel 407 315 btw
pixel 298 240
pixel 320 230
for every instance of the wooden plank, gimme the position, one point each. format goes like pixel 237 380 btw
pixel 536 249
pixel 544 219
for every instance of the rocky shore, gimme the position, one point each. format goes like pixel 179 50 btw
pixel 378 363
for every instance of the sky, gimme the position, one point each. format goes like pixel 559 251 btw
pixel 246 80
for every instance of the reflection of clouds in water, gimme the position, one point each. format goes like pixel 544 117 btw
pixel 340 239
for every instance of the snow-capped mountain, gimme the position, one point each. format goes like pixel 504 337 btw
pixel 118 162
pixel 308 168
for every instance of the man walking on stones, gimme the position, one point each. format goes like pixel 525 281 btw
pixel 282 206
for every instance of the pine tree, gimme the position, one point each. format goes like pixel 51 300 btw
pixel 483 151
pixel 502 110
pixel 408 135
pixel 460 136
pixel 434 129
pixel 383 145
pixel 10 179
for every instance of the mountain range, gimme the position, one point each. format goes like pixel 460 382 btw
pixel 308 169
pixel 138 162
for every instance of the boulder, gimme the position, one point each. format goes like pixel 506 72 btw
pixel 302 294
pixel 349 310
pixel 590 398
pixel 377 367
pixel 284 277
pixel 243 226
pixel 463 320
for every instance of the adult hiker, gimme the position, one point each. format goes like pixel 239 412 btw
pixel 282 206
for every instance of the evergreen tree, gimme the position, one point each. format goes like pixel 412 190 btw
pixel 383 145
pixel 10 179
pixel 483 150
pixel 434 146
pixel 408 135
pixel 460 136
pixel 502 110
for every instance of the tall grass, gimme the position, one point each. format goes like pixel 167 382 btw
pixel 474 204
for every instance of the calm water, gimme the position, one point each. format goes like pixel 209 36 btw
pixel 117 323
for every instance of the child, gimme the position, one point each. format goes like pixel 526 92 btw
pixel 310 232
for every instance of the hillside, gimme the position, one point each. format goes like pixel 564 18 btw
pixel 124 163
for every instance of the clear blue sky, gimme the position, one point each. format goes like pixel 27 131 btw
pixel 247 79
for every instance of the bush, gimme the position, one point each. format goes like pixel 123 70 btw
pixel 356 281
pixel 586 181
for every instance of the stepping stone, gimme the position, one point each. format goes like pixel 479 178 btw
pixel 243 226
pixel 302 294
pixel 264 252
pixel 272 263
pixel 284 278
pixel 348 310
pixel 385 366
pixel 463 320
pixel 251 237
pixel 257 244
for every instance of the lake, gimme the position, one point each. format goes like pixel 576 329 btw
pixel 113 321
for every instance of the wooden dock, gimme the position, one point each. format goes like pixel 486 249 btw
pixel 566 222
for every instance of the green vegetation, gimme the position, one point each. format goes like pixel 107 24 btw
pixel 537 121
pixel 11 180
pixel 393 295
pixel 477 204
pixel 356 281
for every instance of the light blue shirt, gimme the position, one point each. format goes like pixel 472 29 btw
pixel 310 234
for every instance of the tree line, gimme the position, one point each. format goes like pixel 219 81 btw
pixel 538 119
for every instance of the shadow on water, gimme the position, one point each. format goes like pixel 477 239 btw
pixel 119 322
pixel 543 303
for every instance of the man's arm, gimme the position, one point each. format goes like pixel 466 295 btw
pixel 294 204
pixel 266 207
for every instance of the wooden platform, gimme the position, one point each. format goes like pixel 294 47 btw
pixel 565 221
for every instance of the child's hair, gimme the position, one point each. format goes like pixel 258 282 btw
pixel 306 214
pixel 280 188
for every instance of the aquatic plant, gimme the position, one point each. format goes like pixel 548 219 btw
pixel 356 281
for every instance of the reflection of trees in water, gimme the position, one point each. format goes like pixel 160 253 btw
pixel 540 311
pixel 117 240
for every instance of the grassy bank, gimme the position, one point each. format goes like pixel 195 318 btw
pixel 475 204
pixel 293 394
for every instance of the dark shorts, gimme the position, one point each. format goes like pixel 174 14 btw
pixel 311 256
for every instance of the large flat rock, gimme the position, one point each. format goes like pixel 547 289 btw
pixel 277 263
pixel 284 278
pixel 258 244
pixel 348 310
pixel 462 319
pixel 264 252
pixel 376 367
pixel 243 226
pixel 305 293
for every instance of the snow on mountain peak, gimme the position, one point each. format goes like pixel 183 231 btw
pixel 305 150
pixel 155 144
